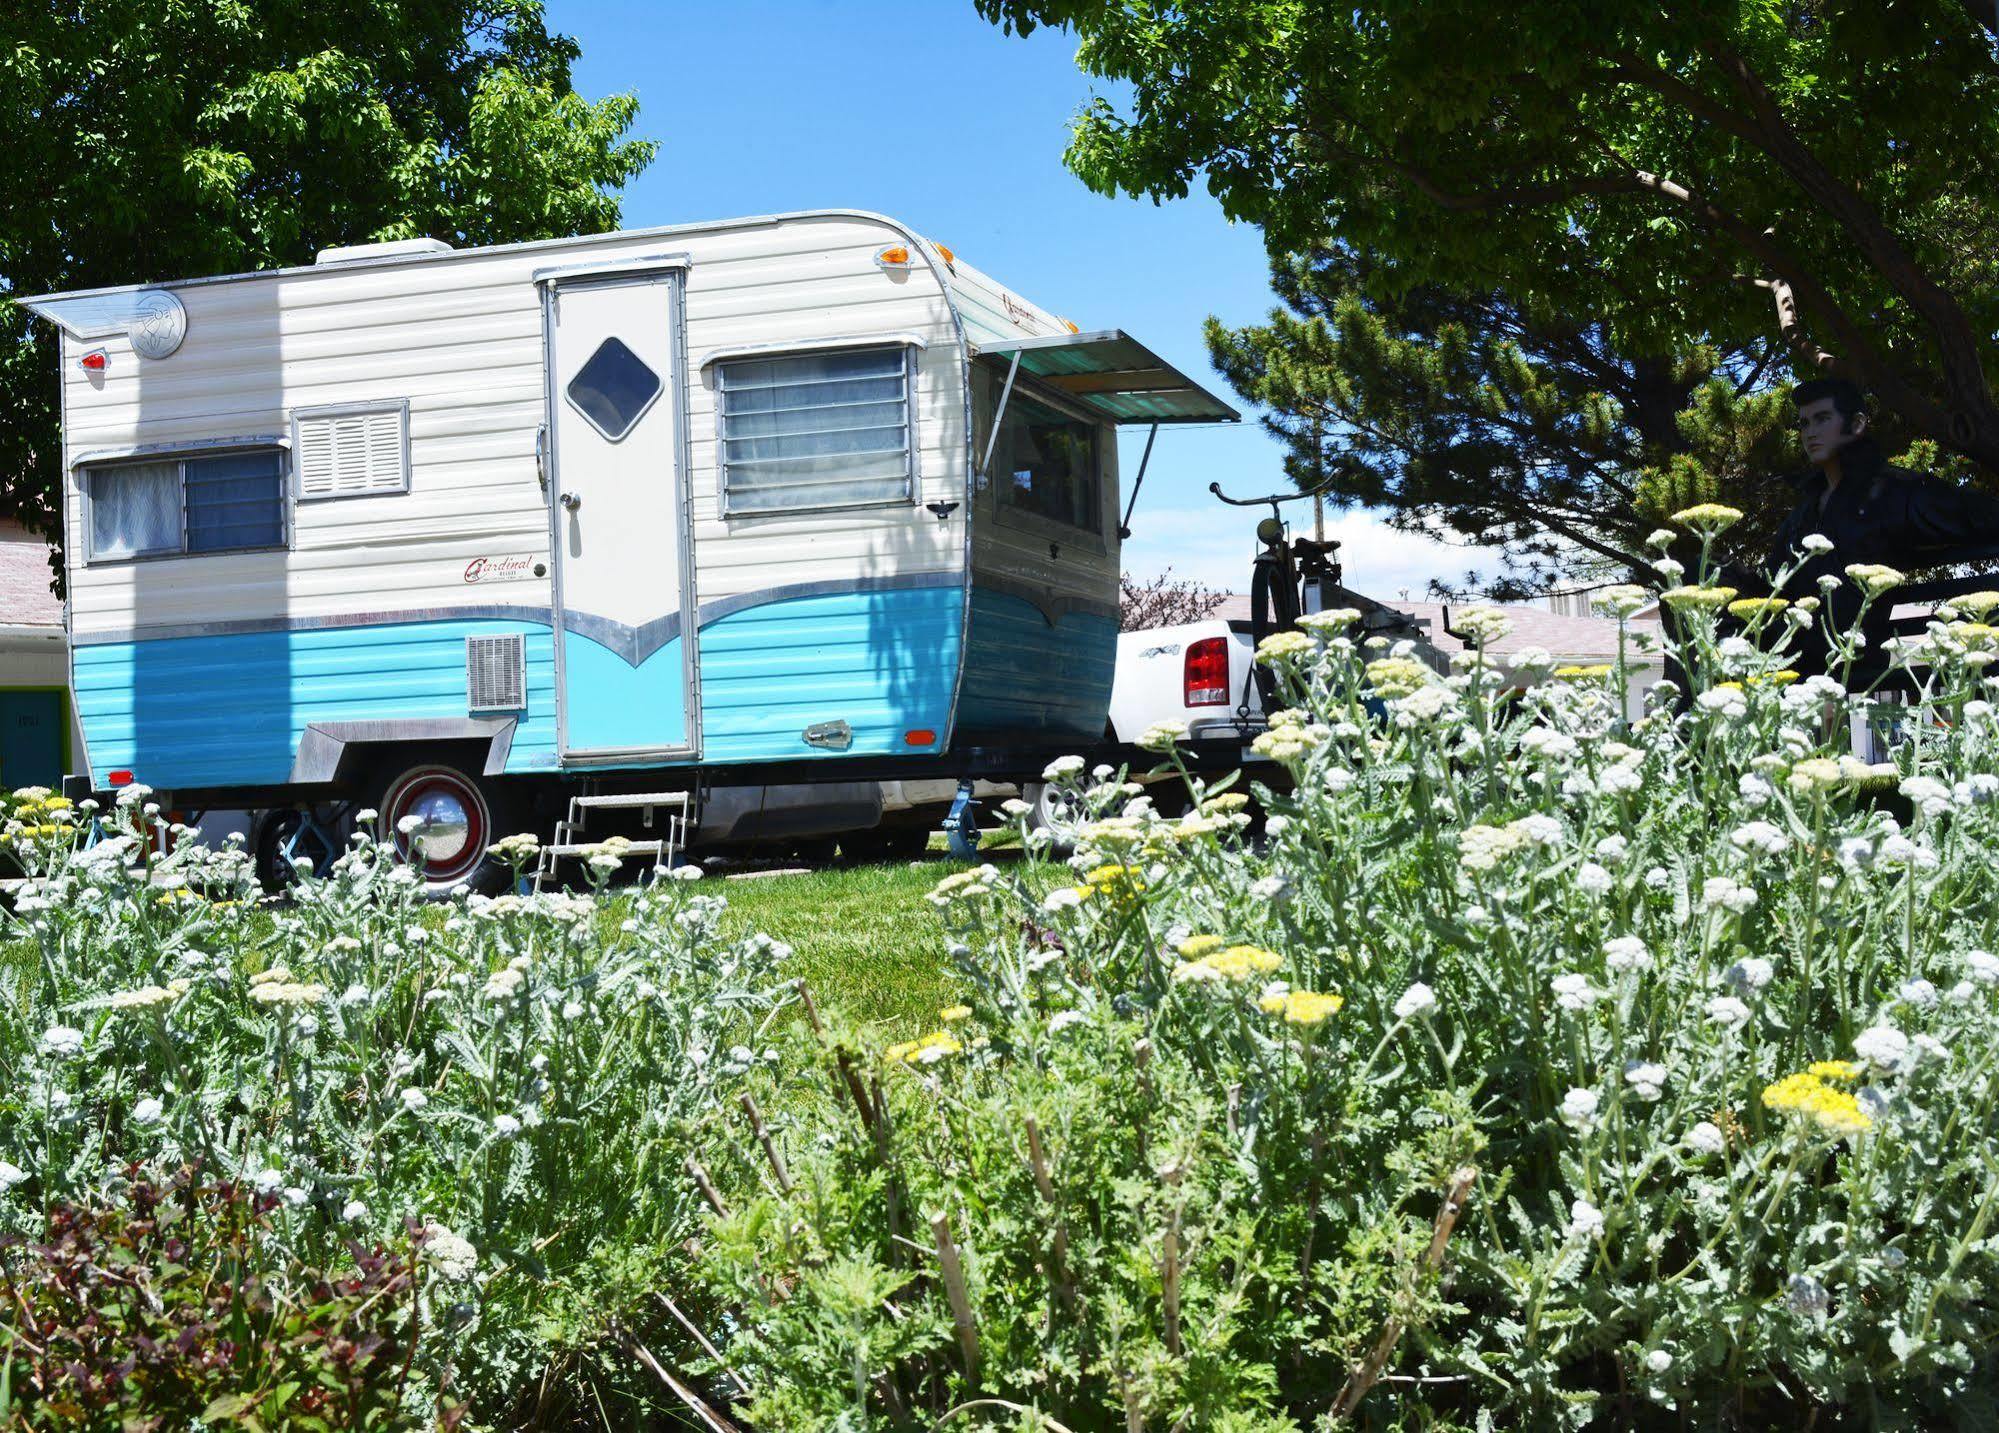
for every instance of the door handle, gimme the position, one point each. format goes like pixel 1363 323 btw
pixel 571 501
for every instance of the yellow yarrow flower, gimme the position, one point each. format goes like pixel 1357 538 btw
pixel 1698 599
pixel 1240 962
pixel 1709 518
pixel 937 1045
pixel 1756 606
pixel 1976 603
pixel 1874 578
pixel 1279 645
pixel 1593 672
pixel 1196 946
pixel 951 1014
pixel 1809 1097
pixel 1835 1069
pixel 1782 677
pixel 1397 676
pixel 1302 1007
pixel 1112 875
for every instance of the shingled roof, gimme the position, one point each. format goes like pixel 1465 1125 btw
pixel 1592 639
pixel 1576 639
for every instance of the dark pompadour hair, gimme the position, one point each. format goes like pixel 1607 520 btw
pixel 1845 395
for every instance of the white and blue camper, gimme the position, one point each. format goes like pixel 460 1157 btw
pixel 453 532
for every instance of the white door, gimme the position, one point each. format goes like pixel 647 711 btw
pixel 625 637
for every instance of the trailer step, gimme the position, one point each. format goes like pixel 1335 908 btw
pixel 633 848
pixel 630 800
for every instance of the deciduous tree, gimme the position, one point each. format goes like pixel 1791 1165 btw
pixel 155 139
pixel 1818 171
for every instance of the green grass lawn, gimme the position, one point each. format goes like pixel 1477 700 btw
pixel 864 937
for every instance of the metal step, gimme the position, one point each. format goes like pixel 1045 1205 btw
pixel 628 800
pixel 635 848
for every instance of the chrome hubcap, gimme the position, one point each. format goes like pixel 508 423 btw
pixel 447 825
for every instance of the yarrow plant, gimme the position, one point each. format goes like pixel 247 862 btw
pixel 515 1077
pixel 1538 1066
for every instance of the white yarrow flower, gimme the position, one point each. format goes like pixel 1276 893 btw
pixel 1749 974
pixel 1882 1045
pixel 1626 952
pixel 1728 1012
pixel 1579 1106
pixel 1574 992
pixel 1705 1138
pixel 1585 1220
pixel 62 1040
pixel 1418 999
pixel 1647 1079
pixel 1919 993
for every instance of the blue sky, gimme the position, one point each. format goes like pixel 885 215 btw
pixel 920 110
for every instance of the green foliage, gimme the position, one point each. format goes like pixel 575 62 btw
pixel 521 1076
pixel 1506 424
pixel 1512 1114
pixel 1664 171
pixel 160 1311
pixel 155 140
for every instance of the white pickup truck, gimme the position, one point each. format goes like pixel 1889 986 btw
pixel 1200 674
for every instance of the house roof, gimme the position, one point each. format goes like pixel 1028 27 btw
pixel 25 599
pixel 1568 638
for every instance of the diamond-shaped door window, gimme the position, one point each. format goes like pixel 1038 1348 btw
pixel 613 389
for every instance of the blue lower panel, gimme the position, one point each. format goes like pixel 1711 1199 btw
pixel 1027 679
pixel 883 662
pixel 613 704
pixel 229 710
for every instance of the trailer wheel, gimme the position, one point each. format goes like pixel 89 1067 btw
pixel 1052 810
pixel 462 815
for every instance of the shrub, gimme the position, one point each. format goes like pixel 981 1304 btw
pixel 519 1075
pixel 1538 1068
pixel 157 1311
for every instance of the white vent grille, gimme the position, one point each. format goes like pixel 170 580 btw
pixel 349 452
pixel 496 678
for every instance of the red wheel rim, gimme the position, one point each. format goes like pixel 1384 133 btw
pixel 457 826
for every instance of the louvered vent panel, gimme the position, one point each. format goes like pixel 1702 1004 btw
pixel 496 678
pixel 346 454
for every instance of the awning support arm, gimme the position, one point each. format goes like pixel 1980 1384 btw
pixel 992 438
pixel 1124 528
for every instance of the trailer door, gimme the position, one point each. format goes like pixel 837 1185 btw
pixel 621 535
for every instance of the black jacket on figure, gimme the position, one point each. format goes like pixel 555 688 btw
pixel 1878 513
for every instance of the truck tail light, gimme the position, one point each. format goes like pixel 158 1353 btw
pixel 1206 673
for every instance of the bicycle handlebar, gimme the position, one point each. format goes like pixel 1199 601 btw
pixel 1273 499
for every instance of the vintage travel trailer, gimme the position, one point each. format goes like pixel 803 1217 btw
pixel 454 532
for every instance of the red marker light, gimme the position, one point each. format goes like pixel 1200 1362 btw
pixel 922 736
pixel 95 361
pixel 120 778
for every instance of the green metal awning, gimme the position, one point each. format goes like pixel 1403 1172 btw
pixel 1114 376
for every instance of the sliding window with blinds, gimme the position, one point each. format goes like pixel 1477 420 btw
pixel 351 451
pixel 817 430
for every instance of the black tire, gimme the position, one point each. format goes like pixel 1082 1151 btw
pixel 467 810
pixel 274 866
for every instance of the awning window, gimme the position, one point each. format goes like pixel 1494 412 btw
pixel 1113 376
